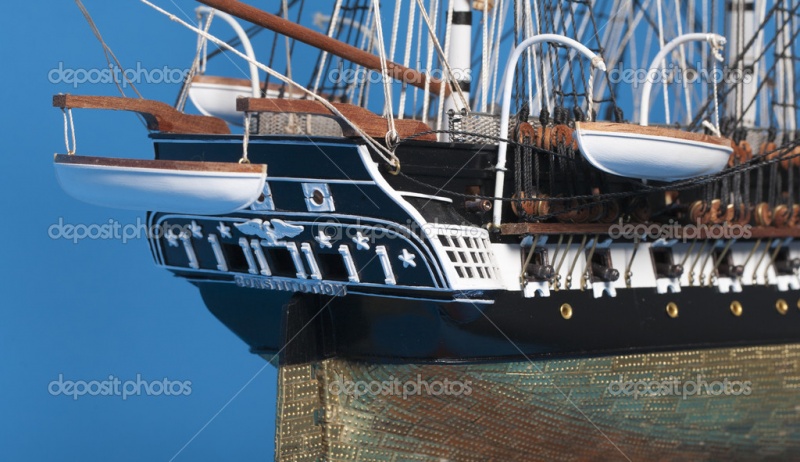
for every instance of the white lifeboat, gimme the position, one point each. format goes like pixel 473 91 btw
pixel 654 153
pixel 651 153
pixel 216 96
pixel 203 188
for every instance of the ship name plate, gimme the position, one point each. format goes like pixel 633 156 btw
pixel 305 286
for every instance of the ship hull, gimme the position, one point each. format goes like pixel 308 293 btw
pixel 378 328
pixel 362 267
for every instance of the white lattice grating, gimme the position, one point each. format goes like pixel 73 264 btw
pixel 294 124
pixel 476 122
pixel 471 256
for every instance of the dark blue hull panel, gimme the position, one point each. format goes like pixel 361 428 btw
pixel 366 327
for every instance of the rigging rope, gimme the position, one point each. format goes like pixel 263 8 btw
pixel 406 58
pixel 629 266
pixel 761 260
pixel 568 282
pixel 698 116
pixel 682 54
pixel 447 30
pixel 586 276
pixel 69 125
pixel 107 51
pixel 442 57
pixel 424 18
pixel 202 51
pixel 664 62
pixel 755 163
pixel 384 153
pixel 109 54
pixel 391 135
pixel 324 56
pixel 557 283
pixel 499 21
pixel 484 56
pixel 717 57
pixel 395 29
pixel 245 139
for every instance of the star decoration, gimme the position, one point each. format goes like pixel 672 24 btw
pixel 323 239
pixel 172 239
pixel 197 231
pixel 224 230
pixel 362 242
pixel 408 259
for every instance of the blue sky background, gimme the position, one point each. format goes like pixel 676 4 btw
pixel 101 307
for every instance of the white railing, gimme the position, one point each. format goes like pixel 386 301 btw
pixel 508 82
pixel 246 45
pixel 716 42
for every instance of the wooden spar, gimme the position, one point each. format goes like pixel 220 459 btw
pixel 370 123
pixel 325 43
pixel 159 116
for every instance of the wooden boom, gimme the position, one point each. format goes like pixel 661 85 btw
pixel 323 42
pixel 159 116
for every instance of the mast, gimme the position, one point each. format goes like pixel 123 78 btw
pixel 325 43
pixel 741 27
pixel 459 52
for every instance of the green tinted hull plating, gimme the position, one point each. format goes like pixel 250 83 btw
pixel 719 404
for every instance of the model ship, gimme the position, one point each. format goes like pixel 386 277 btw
pixel 503 208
